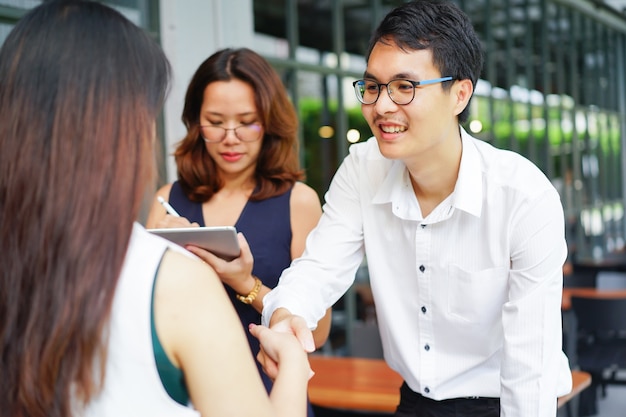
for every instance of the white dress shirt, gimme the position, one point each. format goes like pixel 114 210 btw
pixel 468 299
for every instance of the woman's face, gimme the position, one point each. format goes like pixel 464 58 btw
pixel 231 127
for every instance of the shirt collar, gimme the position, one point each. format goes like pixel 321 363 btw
pixel 394 185
pixel 468 191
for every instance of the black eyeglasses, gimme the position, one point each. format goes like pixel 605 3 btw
pixel 245 133
pixel 400 92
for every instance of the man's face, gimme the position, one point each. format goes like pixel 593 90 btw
pixel 406 132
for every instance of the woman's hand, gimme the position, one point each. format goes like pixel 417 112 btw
pixel 279 348
pixel 169 222
pixel 237 273
pixel 284 322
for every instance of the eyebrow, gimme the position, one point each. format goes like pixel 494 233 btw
pixel 401 75
pixel 244 114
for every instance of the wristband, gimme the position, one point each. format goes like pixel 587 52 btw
pixel 248 299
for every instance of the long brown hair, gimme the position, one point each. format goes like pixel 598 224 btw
pixel 80 88
pixel 278 165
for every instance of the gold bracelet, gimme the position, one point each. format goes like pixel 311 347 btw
pixel 248 299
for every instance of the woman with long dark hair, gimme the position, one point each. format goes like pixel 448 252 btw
pixel 97 316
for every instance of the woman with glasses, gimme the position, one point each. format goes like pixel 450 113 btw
pixel 238 166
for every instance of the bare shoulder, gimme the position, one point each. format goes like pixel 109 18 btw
pixel 306 211
pixel 189 296
pixel 164 191
pixel 182 273
pixel 303 197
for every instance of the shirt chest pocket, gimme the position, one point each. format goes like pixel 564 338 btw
pixel 477 296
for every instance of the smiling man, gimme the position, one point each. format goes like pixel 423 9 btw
pixel 464 242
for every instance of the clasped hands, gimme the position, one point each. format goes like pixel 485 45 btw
pixel 287 323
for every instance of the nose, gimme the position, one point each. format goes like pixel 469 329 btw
pixel 385 104
pixel 230 136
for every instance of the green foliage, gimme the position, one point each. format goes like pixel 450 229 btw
pixel 321 155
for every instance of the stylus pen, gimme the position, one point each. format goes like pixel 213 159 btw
pixel 168 207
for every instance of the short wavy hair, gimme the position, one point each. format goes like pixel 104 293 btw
pixel 278 166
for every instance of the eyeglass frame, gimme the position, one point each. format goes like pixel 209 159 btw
pixel 386 85
pixel 234 129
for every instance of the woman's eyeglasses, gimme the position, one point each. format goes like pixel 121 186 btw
pixel 245 133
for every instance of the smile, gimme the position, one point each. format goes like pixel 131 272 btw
pixel 392 129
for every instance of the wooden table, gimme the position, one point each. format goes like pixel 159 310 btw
pixel 566 302
pixel 580 381
pixel 354 384
pixel 360 384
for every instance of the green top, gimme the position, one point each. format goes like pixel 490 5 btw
pixel 172 377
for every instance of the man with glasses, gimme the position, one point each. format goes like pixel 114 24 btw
pixel 464 242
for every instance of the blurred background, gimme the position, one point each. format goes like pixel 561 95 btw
pixel 553 88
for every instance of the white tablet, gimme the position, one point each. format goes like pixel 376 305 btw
pixel 221 241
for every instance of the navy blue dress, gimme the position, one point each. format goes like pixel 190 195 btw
pixel 266 226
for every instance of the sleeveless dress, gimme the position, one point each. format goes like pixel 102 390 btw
pixel 132 386
pixel 266 225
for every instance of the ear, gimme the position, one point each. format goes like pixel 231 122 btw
pixel 461 93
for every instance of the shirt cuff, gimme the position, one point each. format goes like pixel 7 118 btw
pixel 280 298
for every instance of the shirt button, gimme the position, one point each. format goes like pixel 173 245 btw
pixel 423 309
pixel 426 390
pixel 427 347
pixel 422 268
